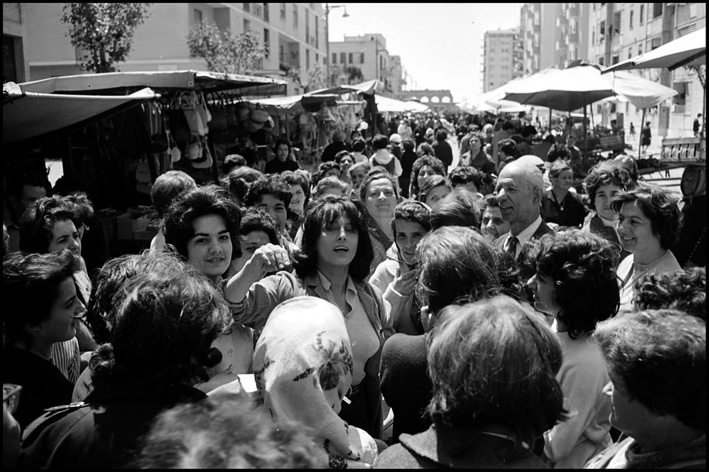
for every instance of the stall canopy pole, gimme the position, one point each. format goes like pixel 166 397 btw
pixel 585 139
pixel 640 144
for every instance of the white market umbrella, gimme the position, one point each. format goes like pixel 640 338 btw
pixel 566 90
pixel 690 49
pixel 640 92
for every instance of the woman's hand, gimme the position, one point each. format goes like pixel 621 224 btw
pixel 405 283
pixel 268 258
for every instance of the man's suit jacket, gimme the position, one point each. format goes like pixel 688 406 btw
pixel 541 231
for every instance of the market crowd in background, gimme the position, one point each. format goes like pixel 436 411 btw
pixel 390 306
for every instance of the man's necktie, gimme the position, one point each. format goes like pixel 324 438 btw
pixel 511 246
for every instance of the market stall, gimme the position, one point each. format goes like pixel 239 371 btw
pixel 119 131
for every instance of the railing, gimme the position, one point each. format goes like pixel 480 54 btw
pixel 683 150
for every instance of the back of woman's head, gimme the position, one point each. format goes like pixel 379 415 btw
pixel 582 266
pixel 328 210
pixel 455 262
pixel 258 220
pixel 459 208
pixel 494 362
pixel 30 287
pixel 164 324
pixel 192 204
pixel 168 186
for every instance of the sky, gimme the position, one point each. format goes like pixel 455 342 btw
pixel 440 44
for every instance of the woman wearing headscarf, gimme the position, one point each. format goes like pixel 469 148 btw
pixel 303 370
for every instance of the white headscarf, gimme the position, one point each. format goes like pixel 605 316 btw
pixel 302 367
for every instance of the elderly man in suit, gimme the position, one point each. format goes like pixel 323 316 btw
pixel 519 191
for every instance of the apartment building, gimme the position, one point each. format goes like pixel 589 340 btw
pixel 293 33
pixel 368 53
pixel 502 58
pixel 619 31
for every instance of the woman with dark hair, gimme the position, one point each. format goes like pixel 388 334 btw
pixel 283 161
pixel 492 365
pixel 453 263
pixel 238 181
pixel 459 208
pixel 423 168
pixel 346 160
pixel 408 157
pixel 203 226
pixel 396 276
pixel 299 183
pixel 257 229
pixel 604 181
pixel 327 169
pixel 380 194
pixel 333 264
pixel 40 309
pixel 657 361
pixel 559 205
pixel 576 284
pixel 433 189
pixel 162 325
pixel 648 226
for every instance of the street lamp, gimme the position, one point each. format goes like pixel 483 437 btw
pixel 328 9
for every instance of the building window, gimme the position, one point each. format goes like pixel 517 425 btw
pixel 334 58
pixel 247 25
pixel 641 16
pixel 640 49
pixel 600 61
pixel 317 34
pixel 307 59
pixel 247 7
pixel 283 11
pixel 616 60
pixel 656 10
pixel 632 13
pixel 295 16
pixel 349 58
pixel 343 58
pixel 630 53
pixel 361 58
pixel 266 41
pixel 307 27
pixel 281 54
pixel 266 13
pixel 197 16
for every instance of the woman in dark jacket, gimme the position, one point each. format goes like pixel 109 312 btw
pixel 162 326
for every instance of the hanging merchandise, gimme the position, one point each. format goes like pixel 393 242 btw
pixel 144 181
pixel 156 140
pixel 196 112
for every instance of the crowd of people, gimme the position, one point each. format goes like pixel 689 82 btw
pixel 393 308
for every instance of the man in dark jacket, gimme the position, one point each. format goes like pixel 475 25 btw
pixel 442 149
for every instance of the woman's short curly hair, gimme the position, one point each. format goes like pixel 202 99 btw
pixel 644 346
pixel 319 214
pixel 413 211
pixel 659 205
pixel 684 290
pixel 324 168
pixel 258 220
pixel 165 320
pixel 30 285
pixel 227 431
pixel 192 204
pixel 495 362
pixel 271 184
pixel 39 218
pixel 607 173
pixel 582 266
pixel 298 177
